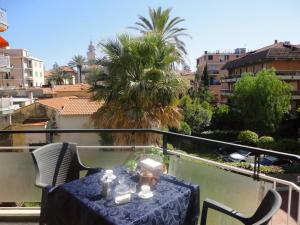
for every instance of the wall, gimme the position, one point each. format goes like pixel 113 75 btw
pixel 38 73
pixel 77 122
pixel 34 110
pixel 17 71
pixel 28 139
pixel 284 65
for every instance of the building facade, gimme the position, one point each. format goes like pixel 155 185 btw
pixel 4 58
pixel 69 72
pixel 214 62
pixel 282 56
pixel 25 71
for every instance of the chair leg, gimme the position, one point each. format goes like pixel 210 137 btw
pixel 43 216
pixel 204 214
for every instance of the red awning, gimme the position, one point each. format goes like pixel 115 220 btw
pixel 3 43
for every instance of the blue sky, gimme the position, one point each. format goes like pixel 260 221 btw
pixel 55 30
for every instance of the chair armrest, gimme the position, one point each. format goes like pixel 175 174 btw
pixel 209 203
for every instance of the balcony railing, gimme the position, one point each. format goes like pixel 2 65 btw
pixel 4 61
pixel 228 184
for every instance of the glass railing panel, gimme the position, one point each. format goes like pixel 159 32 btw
pixel 238 191
pixel 17 174
pixel 17 178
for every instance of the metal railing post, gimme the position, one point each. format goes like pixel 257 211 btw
pixel 165 144
pixel 51 137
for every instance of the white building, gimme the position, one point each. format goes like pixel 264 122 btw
pixel 26 71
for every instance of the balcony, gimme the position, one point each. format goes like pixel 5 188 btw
pixel 239 188
pixel 288 75
pixel 231 78
pixel 296 95
pixel 4 63
pixel 226 92
pixel 3 20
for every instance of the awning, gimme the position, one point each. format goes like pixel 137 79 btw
pixel 3 43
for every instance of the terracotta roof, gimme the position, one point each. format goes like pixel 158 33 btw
pixel 47 91
pixel 67 69
pixel 80 106
pixel 48 73
pixel 278 51
pixel 35 122
pixel 68 88
pixel 64 68
pixel 56 103
pixel 72 105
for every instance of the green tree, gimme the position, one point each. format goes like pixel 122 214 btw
pixel 58 75
pixel 163 24
pixel 248 137
pixel 196 114
pixel 220 116
pixel 262 100
pixel 95 75
pixel 265 142
pixel 140 90
pixel 78 61
pixel 205 78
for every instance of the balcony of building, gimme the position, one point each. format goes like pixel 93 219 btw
pixel 231 78
pixel 296 95
pixel 238 188
pixel 4 64
pixel 3 20
pixel 288 74
pixel 226 92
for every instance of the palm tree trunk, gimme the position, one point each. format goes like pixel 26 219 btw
pixel 79 68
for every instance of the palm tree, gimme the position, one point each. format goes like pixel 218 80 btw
pixel 140 89
pixel 162 23
pixel 78 61
pixel 58 76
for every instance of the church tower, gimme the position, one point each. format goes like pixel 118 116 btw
pixel 91 54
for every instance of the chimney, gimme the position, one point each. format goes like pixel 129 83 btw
pixel 276 42
pixel 205 52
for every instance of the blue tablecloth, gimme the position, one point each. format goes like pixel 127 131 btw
pixel 79 202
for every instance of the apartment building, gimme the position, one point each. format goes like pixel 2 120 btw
pixel 26 71
pixel 282 56
pixel 4 58
pixel 214 62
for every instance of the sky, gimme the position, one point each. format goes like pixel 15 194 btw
pixel 56 30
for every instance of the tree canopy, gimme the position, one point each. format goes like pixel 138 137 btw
pixel 163 24
pixel 140 90
pixel 58 75
pixel 262 100
pixel 197 113
pixel 78 61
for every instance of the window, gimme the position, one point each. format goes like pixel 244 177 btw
pixel 226 57
pixel 210 57
pixel 40 74
pixel 36 74
pixel 36 84
pixel 35 64
pixel 222 58
pixel 237 56
pixel 40 64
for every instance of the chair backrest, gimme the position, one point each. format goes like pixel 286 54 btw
pixel 56 164
pixel 267 208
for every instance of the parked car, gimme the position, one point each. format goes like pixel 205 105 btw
pixel 227 150
pixel 241 156
pixel 273 161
